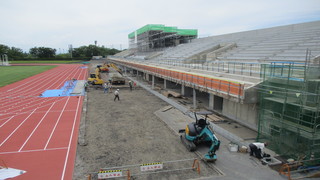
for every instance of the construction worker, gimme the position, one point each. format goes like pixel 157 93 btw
pixel 116 95
pixel 130 84
pixel 110 87
pixel 86 84
pixel 105 87
pixel 256 149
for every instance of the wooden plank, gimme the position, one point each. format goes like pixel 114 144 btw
pixel 214 117
pixel 174 94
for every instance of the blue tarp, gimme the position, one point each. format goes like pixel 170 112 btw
pixel 65 90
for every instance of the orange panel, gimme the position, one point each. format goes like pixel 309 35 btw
pixel 176 75
pixel 234 88
pixel 201 81
pixel 215 83
pixel 194 79
pixel 173 74
pixel 224 86
pixel 163 72
pixel 208 82
pixel 167 72
pixel 189 78
pixel 184 76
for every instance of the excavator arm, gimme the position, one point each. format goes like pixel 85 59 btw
pixel 97 72
pixel 209 136
pixel 115 67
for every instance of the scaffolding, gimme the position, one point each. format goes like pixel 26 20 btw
pixel 289 117
pixel 152 37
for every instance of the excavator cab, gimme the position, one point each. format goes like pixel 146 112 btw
pixel 95 78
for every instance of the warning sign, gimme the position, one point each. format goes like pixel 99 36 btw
pixel 151 166
pixel 109 174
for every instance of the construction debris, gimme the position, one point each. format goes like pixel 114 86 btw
pixel 216 118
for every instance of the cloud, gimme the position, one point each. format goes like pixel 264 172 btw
pixel 57 24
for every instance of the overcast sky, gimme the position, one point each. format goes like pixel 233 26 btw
pixel 58 23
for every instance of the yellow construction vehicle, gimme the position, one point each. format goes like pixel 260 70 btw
pixel 95 78
pixel 114 67
pixel 105 68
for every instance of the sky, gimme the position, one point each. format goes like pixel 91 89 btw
pixel 59 23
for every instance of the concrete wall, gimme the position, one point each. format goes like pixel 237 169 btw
pixel 173 85
pixel 202 98
pixel 186 91
pixel 246 114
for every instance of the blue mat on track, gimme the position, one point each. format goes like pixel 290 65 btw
pixel 65 90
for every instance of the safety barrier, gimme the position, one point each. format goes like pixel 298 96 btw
pixel 144 169
pixel 298 169
pixel 215 84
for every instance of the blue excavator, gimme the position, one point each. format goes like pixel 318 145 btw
pixel 200 132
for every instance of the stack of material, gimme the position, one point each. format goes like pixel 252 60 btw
pixel 172 93
pixel 243 149
pixel 215 118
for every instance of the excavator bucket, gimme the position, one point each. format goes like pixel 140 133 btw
pixel 209 158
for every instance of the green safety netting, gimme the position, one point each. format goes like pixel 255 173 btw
pixel 289 109
pixel 163 28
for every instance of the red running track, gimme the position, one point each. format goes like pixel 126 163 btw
pixel 39 135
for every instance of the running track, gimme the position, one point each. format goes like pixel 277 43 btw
pixel 39 135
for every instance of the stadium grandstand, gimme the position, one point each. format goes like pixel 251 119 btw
pixel 266 79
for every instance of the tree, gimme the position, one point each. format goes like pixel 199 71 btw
pixel 92 50
pixel 16 53
pixel 43 52
pixel 13 52
pixel 4 49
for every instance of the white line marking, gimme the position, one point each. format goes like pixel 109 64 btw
pixel 34 150
pixel 55 126
pixel 36 127
pixel 17 127
pixel 74 123
pixel 7 121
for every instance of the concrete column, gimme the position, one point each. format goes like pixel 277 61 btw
pixel 211 100
pixel 125 70
pixel 182 90
pixel 194 99
pixel 165 84
pixel 152 82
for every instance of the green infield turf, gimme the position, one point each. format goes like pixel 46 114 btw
pixel 11 74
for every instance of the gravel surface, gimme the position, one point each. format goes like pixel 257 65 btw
pixel 127 132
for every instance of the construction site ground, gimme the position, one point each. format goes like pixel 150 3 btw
pixel 142 128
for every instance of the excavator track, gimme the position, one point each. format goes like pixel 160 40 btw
pixel 189 145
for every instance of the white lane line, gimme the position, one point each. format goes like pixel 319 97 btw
pixel 6 121
pixel 55 126
pixel 36 127
pixel 73 126
pixel 16 114
pixel 34 150
pixel 18 127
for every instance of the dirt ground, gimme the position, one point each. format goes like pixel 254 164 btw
pixel 127 132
